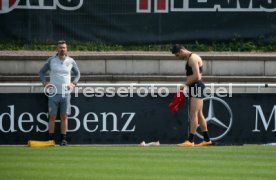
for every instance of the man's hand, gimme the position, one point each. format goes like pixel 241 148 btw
pixel 71 86
pixel 45 84
pixel 183 86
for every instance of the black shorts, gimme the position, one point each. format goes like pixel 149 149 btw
pixel 196 89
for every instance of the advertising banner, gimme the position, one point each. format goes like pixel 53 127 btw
pixel 240 119
pixel 138 21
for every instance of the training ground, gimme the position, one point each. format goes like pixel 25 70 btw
pixel 133 162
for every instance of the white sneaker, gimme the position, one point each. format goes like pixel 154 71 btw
pixel 157 143
pixel 142 143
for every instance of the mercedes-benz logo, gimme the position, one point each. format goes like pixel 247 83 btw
pixel 220 125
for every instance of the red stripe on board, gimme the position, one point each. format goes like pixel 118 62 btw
pixel 161 4
pixel 143 4
pixel 11 3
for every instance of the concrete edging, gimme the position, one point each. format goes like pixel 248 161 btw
pixel 144 66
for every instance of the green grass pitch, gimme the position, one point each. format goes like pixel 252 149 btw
pixel 132 162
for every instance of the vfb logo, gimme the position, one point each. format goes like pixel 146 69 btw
pixel 7 6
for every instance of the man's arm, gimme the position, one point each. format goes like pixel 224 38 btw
pixel 43 72
pixel 76 72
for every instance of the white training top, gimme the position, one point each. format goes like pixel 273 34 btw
pixel 60 73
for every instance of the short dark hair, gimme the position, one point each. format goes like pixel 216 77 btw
pixel 61 42
pixel 176 48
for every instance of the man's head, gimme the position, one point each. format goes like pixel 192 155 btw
pixel 179 51
pixel 176 48
pixel 62 48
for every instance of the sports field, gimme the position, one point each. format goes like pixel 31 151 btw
pixel 132 162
